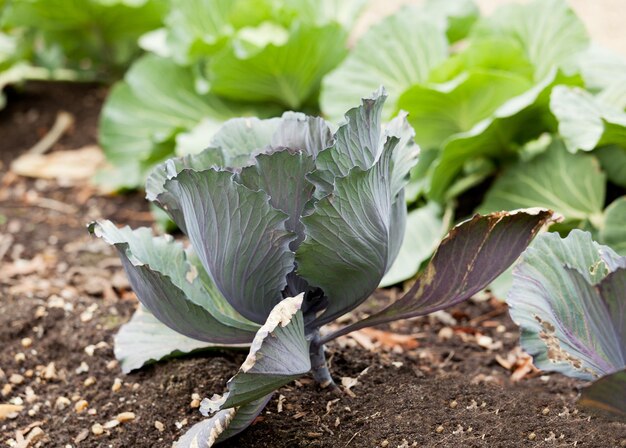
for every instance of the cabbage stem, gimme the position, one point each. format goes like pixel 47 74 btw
pixel 319 367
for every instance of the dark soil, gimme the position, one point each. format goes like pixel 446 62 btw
pixel 442 386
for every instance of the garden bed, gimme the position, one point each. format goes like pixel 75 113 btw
pixel 63 296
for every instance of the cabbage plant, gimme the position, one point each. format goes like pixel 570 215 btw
pixel 569 297
pixel 290 226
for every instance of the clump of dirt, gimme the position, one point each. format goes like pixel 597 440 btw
pixel 448 380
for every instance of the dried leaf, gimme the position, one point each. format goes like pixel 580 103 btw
pixel 23 267
pixel 6 410
pixel 390 340
pixel 65 166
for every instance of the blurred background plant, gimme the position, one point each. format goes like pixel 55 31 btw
pixel 517 109
pixel 75 40
pixel 214 60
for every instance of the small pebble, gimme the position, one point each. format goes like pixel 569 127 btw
pixel 92 411
pixel 97 429
pixel 111 424
pixel 50 372
pixel 90 381
pixel 29 373
pixel 83 368
pixel 484 341
pixel 20 357
pixel 112 364
pixel 117 385
pixel 40 312
pixel 81 405
pixel 384 443
pixel 159 426
pixel 532 436
pixel 545 411
pixel 195 401
pixel 61 403
pixel 453 404
pixel 125 417
pixel 439 429
pixel 473 405
pixel 81 436
pixel 87 315
pixel 445 333
pixel 90 350
pixel 30 395
pixel 6 390
pixel 27 342
pixel 16 378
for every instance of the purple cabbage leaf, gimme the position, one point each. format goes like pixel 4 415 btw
pixel 569 298
pixel 606 395
pixel 292 224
